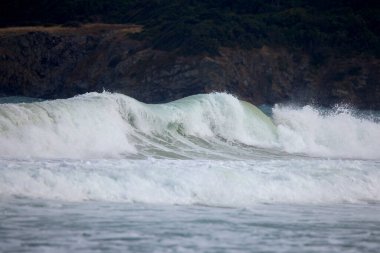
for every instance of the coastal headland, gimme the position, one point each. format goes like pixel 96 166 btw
pixel 60 62
pixel 316 52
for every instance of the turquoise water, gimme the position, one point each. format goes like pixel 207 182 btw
pixel 208 173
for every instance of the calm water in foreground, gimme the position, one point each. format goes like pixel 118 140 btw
pixel 51 226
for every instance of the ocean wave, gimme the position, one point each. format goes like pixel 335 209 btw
pixel 217 125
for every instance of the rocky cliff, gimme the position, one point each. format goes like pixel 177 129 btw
pixel 56 62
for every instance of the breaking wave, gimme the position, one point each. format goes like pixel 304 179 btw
pixel 218 125
pixel 205 149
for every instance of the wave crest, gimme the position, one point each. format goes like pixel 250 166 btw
pixel 218 125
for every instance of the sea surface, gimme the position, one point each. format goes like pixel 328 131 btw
pixel 103 172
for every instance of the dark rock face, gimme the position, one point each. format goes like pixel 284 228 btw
pixel 53 65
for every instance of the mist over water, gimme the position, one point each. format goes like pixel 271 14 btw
pixel 111 163
pixel 335 133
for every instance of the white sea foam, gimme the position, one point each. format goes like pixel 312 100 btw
pixel 105 125
pixel 205 149
pixel 215 183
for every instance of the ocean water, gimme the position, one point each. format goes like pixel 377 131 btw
pixel 207 173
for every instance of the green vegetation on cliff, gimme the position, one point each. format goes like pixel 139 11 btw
pixel 318 27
